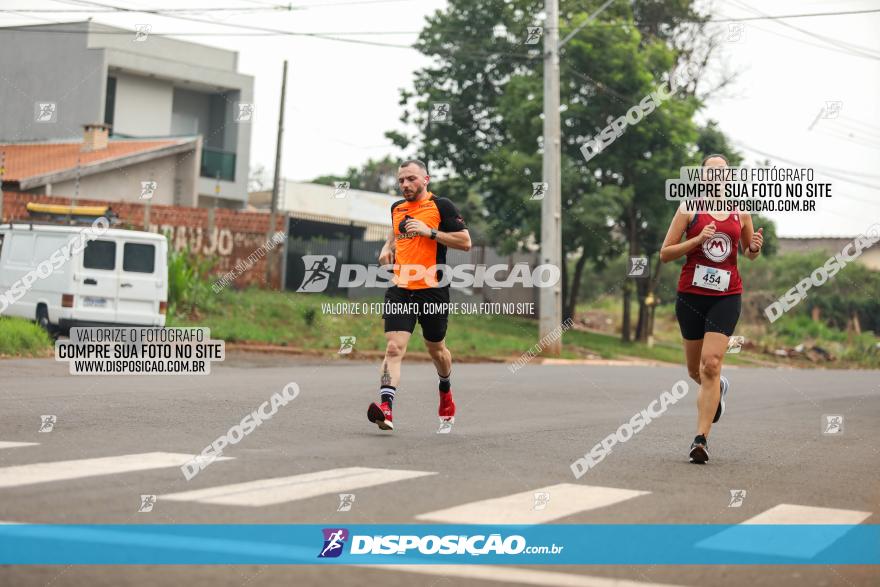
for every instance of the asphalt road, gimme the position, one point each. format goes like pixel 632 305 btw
pixel 514 433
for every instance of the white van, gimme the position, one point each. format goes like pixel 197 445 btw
pixel 118 278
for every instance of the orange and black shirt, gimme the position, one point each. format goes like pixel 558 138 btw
pixel 422 251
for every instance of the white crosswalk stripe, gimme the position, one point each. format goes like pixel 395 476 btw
pixel 4 444
pixel 565 499
pixel 20 475
pixel 784 514
pixel 286 489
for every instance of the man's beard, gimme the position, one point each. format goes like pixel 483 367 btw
pixel 409 197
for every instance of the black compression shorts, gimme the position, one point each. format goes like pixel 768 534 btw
pixel 698 314
pixel 429 307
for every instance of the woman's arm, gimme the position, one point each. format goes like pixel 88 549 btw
pixel 750 240
pixel 672 247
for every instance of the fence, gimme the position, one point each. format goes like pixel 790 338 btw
pixel 354 248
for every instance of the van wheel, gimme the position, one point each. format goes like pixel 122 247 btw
pixel 43 321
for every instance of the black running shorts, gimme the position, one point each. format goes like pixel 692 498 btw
pixel 698 314
pixel 429 307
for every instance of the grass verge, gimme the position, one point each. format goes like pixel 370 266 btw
pixel 300 320
pixel 23 338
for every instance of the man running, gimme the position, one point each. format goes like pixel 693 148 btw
pixel 708 303
pixel 422 227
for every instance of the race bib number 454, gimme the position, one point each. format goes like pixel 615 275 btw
pixel 711 278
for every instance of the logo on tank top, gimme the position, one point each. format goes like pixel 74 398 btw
pixel 718 247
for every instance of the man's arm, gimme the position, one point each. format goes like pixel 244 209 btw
pixel 386 256
pixel 452 231
pixel 460 240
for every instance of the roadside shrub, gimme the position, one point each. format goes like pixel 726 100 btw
pixel 852 293
pixel 23 338
pixel 310 315
pixel 189 283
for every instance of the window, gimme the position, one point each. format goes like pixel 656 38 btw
pixel 110 101
pixel 139 258
pixel 100 255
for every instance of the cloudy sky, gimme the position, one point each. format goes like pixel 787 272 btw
pixel 343 96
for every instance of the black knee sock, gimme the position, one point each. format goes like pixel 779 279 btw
pixel 445 384
pixel 386 394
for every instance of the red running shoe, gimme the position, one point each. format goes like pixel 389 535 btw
pixel 380 414
pixel 447 407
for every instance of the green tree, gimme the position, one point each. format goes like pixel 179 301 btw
pixel 469 203
pixel 492 82
pixel 378 175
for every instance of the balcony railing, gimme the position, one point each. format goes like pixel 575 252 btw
pixel 218 164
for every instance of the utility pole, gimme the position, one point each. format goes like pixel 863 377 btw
pixel 550 300
pixel 2 171
pixel 75 200
pixel 276 183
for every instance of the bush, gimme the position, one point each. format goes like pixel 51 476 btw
pixel 851 292
pixel 793 330
pixel 598 282
pixel 189 282
pixel 310 315
pixel 19 337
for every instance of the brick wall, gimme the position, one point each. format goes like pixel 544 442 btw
pixel 229 236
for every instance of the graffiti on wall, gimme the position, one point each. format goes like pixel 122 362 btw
pixel 201 241
pixel 226 246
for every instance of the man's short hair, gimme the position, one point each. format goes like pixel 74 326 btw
pixel 712 156
pixel 418 163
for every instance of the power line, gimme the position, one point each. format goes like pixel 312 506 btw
pixel 263 31
pixel 260 7
pixel 853 128
pixel 117 10
pixel 333 36
pixel 825 168
pixel 852 120
pixel 849 47
pixel 290 7
pixel 844 136
pixel 765 16
pixel 818 168
pixel 811 44
pixel 241 26
pixel 126 32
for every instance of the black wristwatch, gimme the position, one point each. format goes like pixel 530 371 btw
pixel 433 234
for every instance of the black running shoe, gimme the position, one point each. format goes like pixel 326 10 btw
pixel 725 387
pixel 699 450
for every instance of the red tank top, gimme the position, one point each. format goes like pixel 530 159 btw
pixel 718 252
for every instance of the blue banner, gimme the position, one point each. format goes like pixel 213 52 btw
pixel 547 544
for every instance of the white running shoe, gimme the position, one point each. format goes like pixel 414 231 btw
pixel 725 387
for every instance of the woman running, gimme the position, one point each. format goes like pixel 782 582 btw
pixel 708 302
